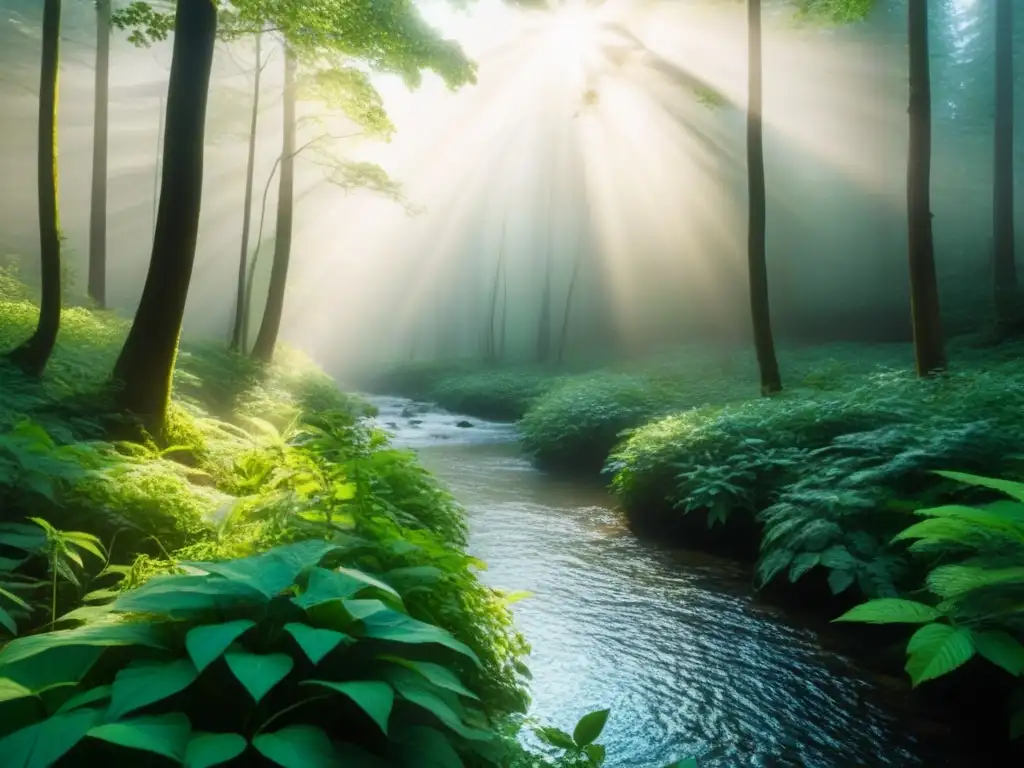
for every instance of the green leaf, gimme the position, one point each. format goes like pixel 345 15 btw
pixel 166 735
pixel 596 753
pixel 372 696
pixel 417 690
pixel 385 624
pixel 440 676
pixel 206 643
pixel 91 696
pixel 890 610
pixel 802 563
pixel 1001 649
pixel 258 673
pixel 57 666
pixel 273 571
pixel 297 746
pixel 315 643
pixel 11 690
pixel 949 581
pixel 1010 488
pixel 145 683
pixel 589 728
pixel 96 635
pixel 207 749
pixel 181 596
pixel 840 580
pixel 42 744
pixel 555 737
pixel 325 586
pixel 8 621
pixel 936 650
pixel 424 747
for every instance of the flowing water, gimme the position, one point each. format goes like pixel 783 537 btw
pixel 672 641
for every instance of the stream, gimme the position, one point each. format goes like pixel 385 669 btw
pixel 672 641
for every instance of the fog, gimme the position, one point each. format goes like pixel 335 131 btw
pixel 566 153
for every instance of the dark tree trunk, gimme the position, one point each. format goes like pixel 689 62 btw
pixel 144 369
pixel 238 332
pixel 757 265
pixel 98 214
pixel 266 339
pixel 924 293
pixel 34 353
pixel 1003 246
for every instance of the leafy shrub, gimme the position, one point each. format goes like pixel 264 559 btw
pixel 976 585
pixel 498 395
pixel 319 650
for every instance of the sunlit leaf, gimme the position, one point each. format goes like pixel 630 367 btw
pixel 142 684
pixel 589 727
pixel 937 649
pixel 891 611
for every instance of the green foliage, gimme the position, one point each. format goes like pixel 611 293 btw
pixel 146 23
pixel 320 651
pixel 834 11
pixel 348 89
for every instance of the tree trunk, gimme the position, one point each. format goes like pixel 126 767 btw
pixel 266 339
pixel 924 294
pixel 98 214
pixel 144 369
pixel 490 339
pixel 760 310
pixel 34 353
pixel 238 333
pixel 504 312
pixel 1003 246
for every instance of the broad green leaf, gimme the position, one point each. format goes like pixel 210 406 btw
pixel 206 643
pixel 42 744
pixel 258 673
pixel 596 753
pixel 273 571
pixel 368 581
pixel 208 749
pixel 10 690
pixel 440 676
pixel 91 696
pixel 315 643
pixel 424 747
pixel 802 563
pixel 180 596
pixel 397 627
pixel 15 599
pixel 890 610
pixel 142 684
pixel 589 728
pixel 166 735
pixel 7 621
pixel 374 697
pixel 96 635
pixel 1010 488
pixel 938 529
pixel 325 585
pixel 1001 649
pixel 417 690
pixel 840 580
pixel 936 650
pixel 555 737
pixel 62 665
pixel 949 581
pixel 297 746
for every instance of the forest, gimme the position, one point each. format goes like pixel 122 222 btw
pixel 556 383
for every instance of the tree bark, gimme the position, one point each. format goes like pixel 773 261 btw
pixel 238 333
pixel 1003 236
pixel 757 266
pixel 143 371
pixel 34 353
pixel 266 339
pixel 98 200
pixel 924 293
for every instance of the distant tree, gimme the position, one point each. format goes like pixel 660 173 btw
pixel 143 370
pixel 1008 314
pixel 34 353
pixel 929 353
pixel 97 287
pixel 757 265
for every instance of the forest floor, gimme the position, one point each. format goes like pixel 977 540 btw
pixel 256 459
pixel 819 486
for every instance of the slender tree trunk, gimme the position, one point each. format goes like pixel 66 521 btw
pixel 491 344
pixel 238 340
pixel 543 349
pixel 266 339
pixel 1003 246
pixel 98 200
pixel 924 293
pixel 757 265
pixel 504 311
pixel 144 369
pixel 34 353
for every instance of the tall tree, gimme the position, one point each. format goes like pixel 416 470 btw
pixel 1004 266
pixel 238 333
pixel 266 339
pixel 34 353
pixel 929 353
pixel 98 200
pixel 143 371
pixel 757 266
